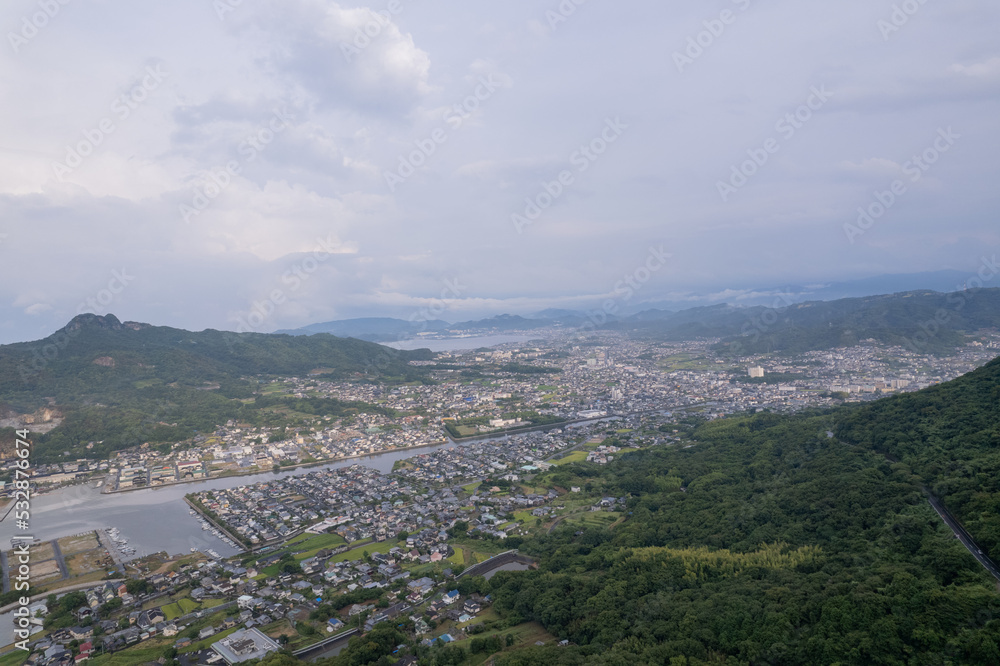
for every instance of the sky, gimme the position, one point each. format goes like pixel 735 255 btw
pixel 265 164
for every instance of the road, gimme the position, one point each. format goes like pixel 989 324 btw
pixel 60 560
pixel 6 572
pixel 963 535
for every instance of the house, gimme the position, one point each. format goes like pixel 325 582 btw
pixel 451 597
pixel 206 632
pixel 81 633
pixel 333 625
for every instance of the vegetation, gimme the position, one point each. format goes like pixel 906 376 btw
pixel 120 385
pixel 924 320
pixel 782 544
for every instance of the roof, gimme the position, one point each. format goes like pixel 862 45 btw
pixel 245 645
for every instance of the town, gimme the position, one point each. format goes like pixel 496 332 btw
pixel 493 444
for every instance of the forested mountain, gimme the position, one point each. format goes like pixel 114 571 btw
pixel 948 435
pixel 784 540
pixel 121 384
pixel 921 320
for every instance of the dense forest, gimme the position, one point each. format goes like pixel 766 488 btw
pixel 768 542
pixel 119 385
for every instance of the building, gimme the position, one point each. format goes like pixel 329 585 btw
pixel 755 372
pixel 245 645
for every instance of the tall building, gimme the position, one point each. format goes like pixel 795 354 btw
pixel 755 371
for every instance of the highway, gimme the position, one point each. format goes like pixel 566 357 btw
pixel 962 535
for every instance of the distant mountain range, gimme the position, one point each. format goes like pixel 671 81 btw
pixel 384 329
pixel 902 318
pixel 923 321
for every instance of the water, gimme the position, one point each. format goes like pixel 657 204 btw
pixel 157 519
pixel 459 344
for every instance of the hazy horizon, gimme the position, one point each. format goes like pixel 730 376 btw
pixel 192 164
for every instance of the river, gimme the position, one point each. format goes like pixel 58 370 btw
pixel 157 519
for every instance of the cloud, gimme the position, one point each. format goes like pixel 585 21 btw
pixel 343 58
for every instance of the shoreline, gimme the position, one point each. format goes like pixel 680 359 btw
pixel 222 529
pixel 318 463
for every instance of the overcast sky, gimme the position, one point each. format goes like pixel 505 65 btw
pixel 189 163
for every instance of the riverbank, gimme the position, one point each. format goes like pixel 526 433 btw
pixel 197 509
pixel 315 463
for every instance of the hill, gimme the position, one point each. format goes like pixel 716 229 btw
pixel 923 321
pixel 783 540
pixel 949 436
pixel 121 384
pixel 375 329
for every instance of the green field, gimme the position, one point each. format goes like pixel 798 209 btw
pixel 576 456
pixel 181 607
pixel 358 552
pixel 313 543
pixel 15 658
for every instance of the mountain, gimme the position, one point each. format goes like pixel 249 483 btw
pixel 500 324
pixel 948 435
pixel 374 329
pixel 803 539
pixel 922 321
pixel 944 281
pixel 120 384
pixel 385 329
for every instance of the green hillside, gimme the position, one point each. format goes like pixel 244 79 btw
pixel 124 384
pixel 922 321
pixel 783 544
pixel 948 435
